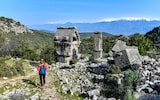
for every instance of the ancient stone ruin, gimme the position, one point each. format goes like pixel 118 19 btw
pixel 66 41
pixel 125 56
pixel 98 45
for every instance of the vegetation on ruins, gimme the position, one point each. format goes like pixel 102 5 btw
pixel 121 91
pixel 130 81
pixel 128 95
pixel 114 69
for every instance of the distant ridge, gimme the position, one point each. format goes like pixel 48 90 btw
pixel 90 34
pixel 125 27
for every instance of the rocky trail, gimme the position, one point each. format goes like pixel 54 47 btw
pixel 27 87
pixel 49 92
pixel 17 78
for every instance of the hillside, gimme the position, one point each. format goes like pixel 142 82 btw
pixel 9 25
pixel 17 40
pixel 154 36
pixel 125 27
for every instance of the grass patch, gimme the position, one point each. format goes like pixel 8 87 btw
pixel 10 87
pixel 10 67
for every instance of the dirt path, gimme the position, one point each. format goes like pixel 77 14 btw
pixel 49 90
pixel 17 78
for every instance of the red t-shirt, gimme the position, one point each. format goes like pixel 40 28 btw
pixel 39 66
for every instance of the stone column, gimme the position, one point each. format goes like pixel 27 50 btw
pixel 98 45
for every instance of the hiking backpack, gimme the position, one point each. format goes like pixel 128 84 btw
pixel 42 70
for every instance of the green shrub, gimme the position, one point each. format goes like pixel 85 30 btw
pixel 19 68
pixel 30 54
pixel 111 80
pixel 108 92
pixel 18 23
pixel 49 54
pixel 129 78
pixel 128 95
pixel 11 69
pixel 114 69
pixel 143 43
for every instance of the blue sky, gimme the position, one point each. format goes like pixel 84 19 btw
pixel 32 12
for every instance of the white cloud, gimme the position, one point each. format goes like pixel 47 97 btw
pixel 128 18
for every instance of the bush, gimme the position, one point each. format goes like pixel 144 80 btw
pixel 128 95
pixel 87 46
pixel 108 92
pixel 30 54
pixel 49 54
pixel 143 43
pixel 129 78
pixel 114 69
pixel 8 71
pixel 19 68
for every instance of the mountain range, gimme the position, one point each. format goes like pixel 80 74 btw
pixel 116 27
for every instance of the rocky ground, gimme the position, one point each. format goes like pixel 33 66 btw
pixel 85 78
pixel 149 87
pixel 27 87
pixel 81 81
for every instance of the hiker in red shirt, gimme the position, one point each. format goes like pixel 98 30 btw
pixel 42 68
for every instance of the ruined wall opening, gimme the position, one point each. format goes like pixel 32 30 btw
pixel 74 38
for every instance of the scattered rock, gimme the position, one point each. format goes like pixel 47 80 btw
pixel 5 78
pixel 95 92
pixel 149 97
pixel 111 98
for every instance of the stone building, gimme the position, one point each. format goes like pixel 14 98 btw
pixel 98 45
pixel 66 41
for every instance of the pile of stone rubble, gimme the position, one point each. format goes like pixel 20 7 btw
pixel 83 77
pixel 150 80
pixel 88 78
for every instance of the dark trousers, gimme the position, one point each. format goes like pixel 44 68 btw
pixel 42 78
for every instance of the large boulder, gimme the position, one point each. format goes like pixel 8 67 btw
pixel 119 46
pixel 125 56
